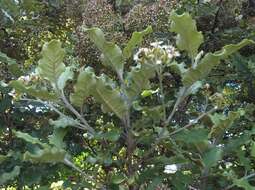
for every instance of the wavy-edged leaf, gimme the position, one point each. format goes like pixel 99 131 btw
pixel 63 122
pixel 57 137
pixel 64 77
pixel 5 177
pixel 138 79
pixel 136 39
pixel 51 64
pixel 221 122
pixel 12 65
pixel 101 89
pixel 111 53
pixel 243 183
pixel 42 94
pixel 46 155
pixel 28 138
pixel 188 38
pixel 211 60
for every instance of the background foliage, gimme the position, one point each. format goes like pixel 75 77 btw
pixel 44 143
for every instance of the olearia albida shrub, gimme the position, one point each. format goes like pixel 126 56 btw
pixel 137 142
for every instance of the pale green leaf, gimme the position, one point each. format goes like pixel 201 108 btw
pixel 46 155
pixel 209 61
pixel 117 179
pixel 195 135
pixel 57 137
pixel 5 177
pixel 30 90
pixel 63 122
pixel 221 123
pixel 136 39
pixel 29 138
pixel 102 89
pixel 188 38
pixel 211 157
pixel 147 93
pixel 138 79
pixel 111 53
pixel 64 77
pixel 51 64
pixel 243 183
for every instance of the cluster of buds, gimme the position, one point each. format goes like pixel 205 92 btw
pixel 158 54
pixel 27 79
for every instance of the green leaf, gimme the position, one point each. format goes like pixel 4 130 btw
pixel 102 89
pixel 64 77
pixel 51 64
pixel 30 90
pixel 63 122
pixel 112 135
pixel 46 155
pixel 5 177
pixel 243 183
pixel 188 37
pixel 154 184
pixel 194 135
pixel 136 39
pixel 5 59
pixel 138 79
pixel 111 53
pixel 221 123
pixel 211 157
pixel 29 138
pixel 57 137
pixel 117 179
pixel 147 93
pixel 253 149
pixel 5 157
pixel 211 60
pixel 12 65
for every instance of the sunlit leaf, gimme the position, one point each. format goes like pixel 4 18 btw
pixel 63 122
pixel 188 37
pixel 111 53
pixel 138 79
pixel 64 77
pixel 209 61
pixel 51 64
pixel 30 90
pixel 101 88
pixel 136 39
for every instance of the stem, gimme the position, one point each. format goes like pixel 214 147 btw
pixel 76 113
pixel 79 125
pixel 159 72
pixel 177 103
pixel 194 122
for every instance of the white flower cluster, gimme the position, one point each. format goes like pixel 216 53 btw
pixel 28 78
pixel 171 169
pixel 158 54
